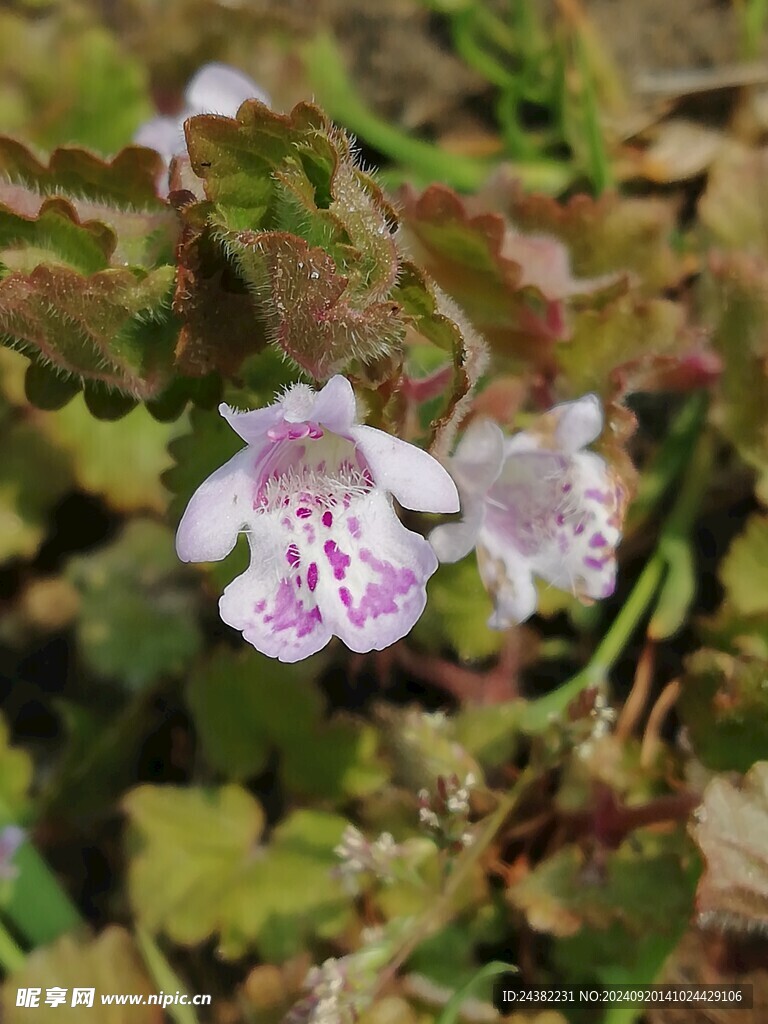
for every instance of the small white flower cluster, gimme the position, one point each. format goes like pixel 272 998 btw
pixel 446 814
pixel 601 720
pixel 360 856
pixel 331 997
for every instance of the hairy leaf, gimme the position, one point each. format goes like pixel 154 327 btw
pixel 732 831
pixel 111 327
pixel 642 885
pixel 724 704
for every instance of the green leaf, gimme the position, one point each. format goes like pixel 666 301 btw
pixel 120 461
pixel 457 612
pixel 677 591
pixel 55 235
pixel 47 388
pixel 646 885
pixel 33 476
pixel 422 746
pixel 15 778
pixel 724 705
pixel 732 831
pixel 452 1009
pixel 311 311
pixel 246 706
pixel 744 570
pixel 467 256
pixel 736 187
pixel 197 870
pixel 735 301
pixel 113 327
pixel 129 178
pixel 627 335
pixel 137 617
pixel 70 78
pixel 490 732
pixel 108 963
pixel 237 157
pixel 612 233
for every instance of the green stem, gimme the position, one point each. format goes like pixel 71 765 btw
pixel 164 976
pixel 538 712
pixel 438 911
pixel 341 101
pixel 11 955
pixel 669 462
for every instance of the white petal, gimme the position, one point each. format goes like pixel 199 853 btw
pixel 316 570
pixel 219 509
pixel 372 575
pixel 480 454
pixel 565 428
pixel 163 134
pixel 587 564
pixel 253 425
pixel 334 406
pixel 508 579
pixel 453 541
pixel 273 616
pixel 416 479
pixel 220 89
pixel 578 423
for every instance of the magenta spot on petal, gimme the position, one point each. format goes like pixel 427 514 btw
pixel 379 598
pixel 260 606
pixel 597 495
pixel 309 530
pixel 303 513
pixel 566 488
pixel 579 529
pixel 298 582
pixel 327 518
pixel 597 540
pixel 346 597
pixel 315 432
pixel 292 556
pixel 595 563
pixel 312 576
pixel 339 561
pixel 560 519
pixel 353 525
pixel 290 613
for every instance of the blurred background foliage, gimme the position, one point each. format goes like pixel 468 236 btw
pixel 183 795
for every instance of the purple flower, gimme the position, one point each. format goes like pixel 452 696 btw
pixel 11 838
pixel 312 491
pixel 214 89
pixel 536 504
